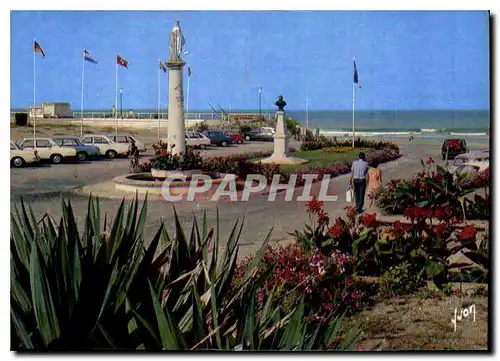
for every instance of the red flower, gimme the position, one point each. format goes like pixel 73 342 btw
pixel 163 153
pixel 440 230
pixel 400 228
pixel 468 233
pixel 356 294
pixel 338 228
pixel 430 161
pixel 314 206
pixel 350 282
pixel 439 214
pixel 369 220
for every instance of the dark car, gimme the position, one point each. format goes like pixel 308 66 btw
pixel 259 134
pixel 453 147
pixel 235 135
pixel 218 138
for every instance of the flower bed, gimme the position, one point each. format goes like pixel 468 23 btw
pixel 433 187
pixel 323 142
pixel 426 244
pixel 338 149
pixel 326 282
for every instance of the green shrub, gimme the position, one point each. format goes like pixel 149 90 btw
pixel 103 288
pixel 400 280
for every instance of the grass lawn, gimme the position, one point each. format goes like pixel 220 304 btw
pixel 321 159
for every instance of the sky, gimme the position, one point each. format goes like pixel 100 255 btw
pixel 405 60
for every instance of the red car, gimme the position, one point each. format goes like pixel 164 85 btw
pixel 235 135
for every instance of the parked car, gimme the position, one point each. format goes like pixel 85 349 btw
pixel 474 156
pixel 268 129
pixel 260 134
pixel 472 168
pixel 197 140
pixel 106 146
pixel 235 135
pixel 218 138
pixel 19 156
pixel 48 149
pixel 454 147
pixel 83 151
pixel 127 139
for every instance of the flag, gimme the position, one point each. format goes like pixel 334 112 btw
pixel 260 90
pixel 88 57
pixel 356 78
pixel 189 71
pixel 121 61
pixel 162 66
pixel 38 49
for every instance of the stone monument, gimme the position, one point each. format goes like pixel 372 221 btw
pixel 175 65
pixel 281 154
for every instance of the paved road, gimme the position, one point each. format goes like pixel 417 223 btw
pixel 260 214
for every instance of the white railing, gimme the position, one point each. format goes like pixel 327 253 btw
pixel 163 115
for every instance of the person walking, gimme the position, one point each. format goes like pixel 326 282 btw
pixel 357 180
pixel 374 181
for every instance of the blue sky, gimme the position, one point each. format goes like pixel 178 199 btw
pixel 405 60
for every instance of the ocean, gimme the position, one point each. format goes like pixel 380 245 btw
pixel 431 123
pixel 419 123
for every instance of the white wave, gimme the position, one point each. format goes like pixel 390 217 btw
pixel 330 133
pixel 470 134
pixel 426 130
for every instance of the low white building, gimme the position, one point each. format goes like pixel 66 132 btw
pixel 57 110
pixel 52 110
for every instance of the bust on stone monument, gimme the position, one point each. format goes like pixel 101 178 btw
pixel 280 103
pixel 281 154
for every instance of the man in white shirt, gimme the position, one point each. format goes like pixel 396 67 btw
pixel 359 171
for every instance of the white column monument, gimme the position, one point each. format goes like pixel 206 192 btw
pixel 176 130
pixel 281 154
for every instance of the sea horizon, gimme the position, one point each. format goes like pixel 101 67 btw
pixel 474 122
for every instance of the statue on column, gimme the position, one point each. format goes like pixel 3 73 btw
pixel 176 43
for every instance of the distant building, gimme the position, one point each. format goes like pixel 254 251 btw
pixel 52 110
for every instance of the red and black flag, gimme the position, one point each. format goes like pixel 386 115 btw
pixel 121 61
pixel 38 49
pixel 162 66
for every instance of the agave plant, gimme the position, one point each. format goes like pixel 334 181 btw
pixel 105 289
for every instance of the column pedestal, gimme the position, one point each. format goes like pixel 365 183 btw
pixel 176 130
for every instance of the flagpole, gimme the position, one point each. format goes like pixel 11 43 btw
pixel 187 102
pixel 34 94
pixel 307 113
pixel 83 78
pixel 159 90
pixel 116 99
pixel 353 98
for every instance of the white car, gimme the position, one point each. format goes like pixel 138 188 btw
pixel 127 139
pixel 472 168
pixel 194 139
pixel 48 149
pixel 473 156
pixel 83 151
pixel 19 157
pixel 197 140
pixel 106 146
